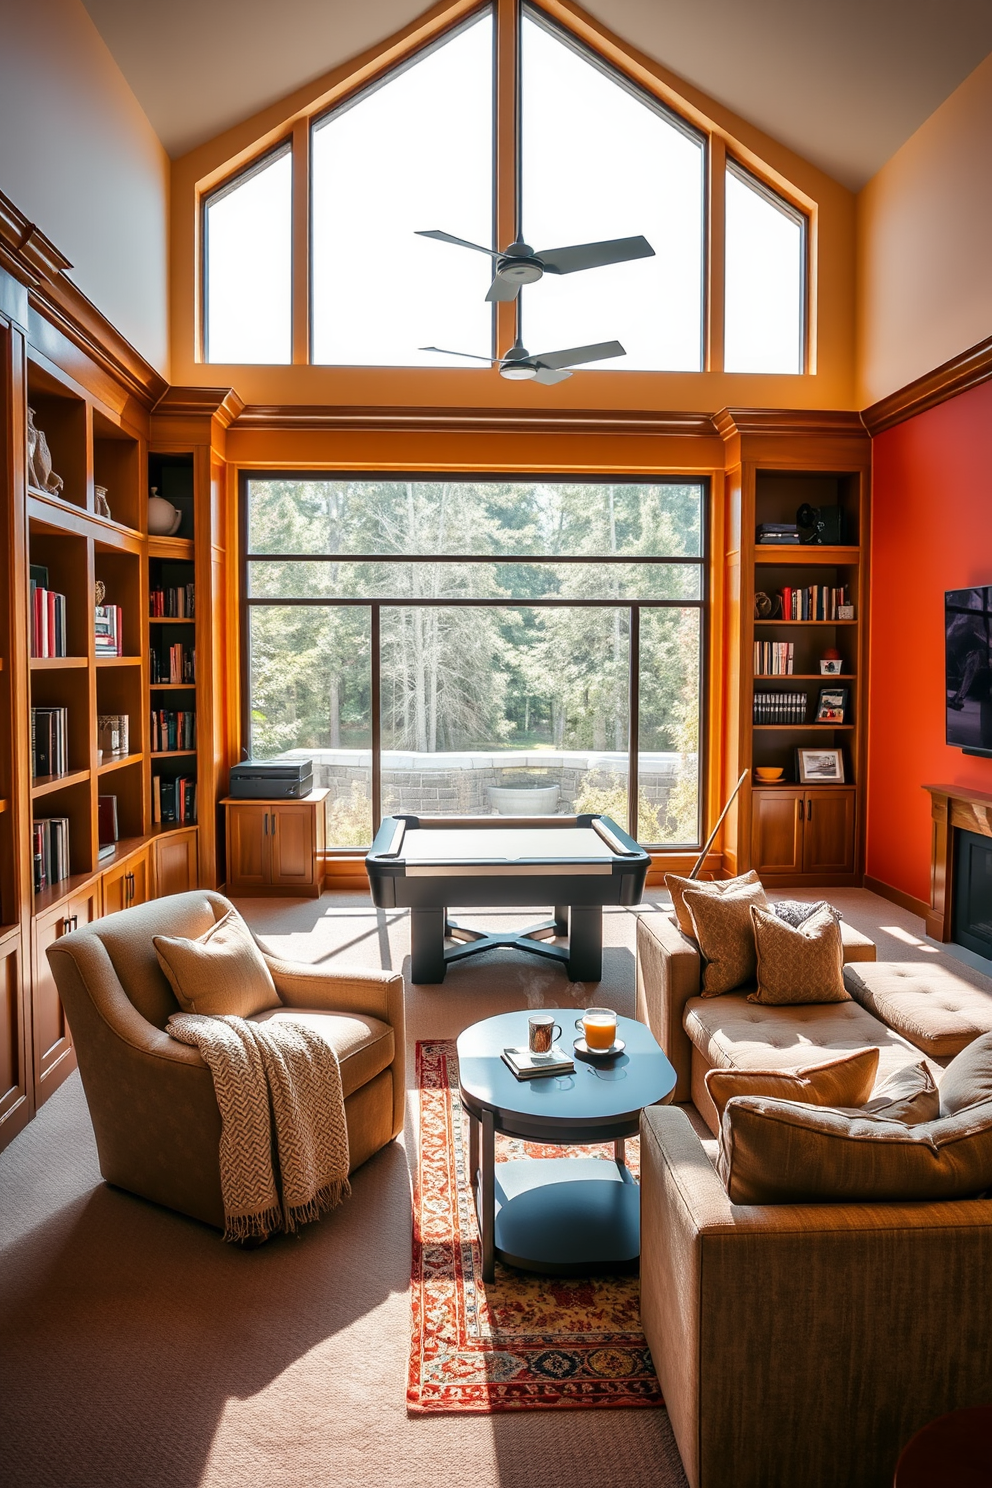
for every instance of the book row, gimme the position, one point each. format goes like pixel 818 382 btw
pixel 816 602
pixel 108 630
pixel 173 729
pixel 780 707
pixel 50 845
pixel 48 622
pixel 173 799
pixel 773 658
pixel 49 741
pixel 174 664
pixel 175 603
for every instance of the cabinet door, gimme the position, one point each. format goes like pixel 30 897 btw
pixel 139 878
pixel 126 883
pixel 248 846
pixel 828 840
pixel 292 846
pixel 175 863
pixel 115 888
pixel 53 1052
pixel 777 830
pixel 15 1077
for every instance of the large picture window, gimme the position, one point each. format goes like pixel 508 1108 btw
pixel 466 647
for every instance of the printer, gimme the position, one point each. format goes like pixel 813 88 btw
pixel 272 780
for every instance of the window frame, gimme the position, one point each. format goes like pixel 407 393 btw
pixel 703 604
pixel 721 153
pixel 796 214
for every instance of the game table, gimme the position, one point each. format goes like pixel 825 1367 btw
pixel 575 863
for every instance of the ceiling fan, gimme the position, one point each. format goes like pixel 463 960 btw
pixel 519 264
pixel 548 367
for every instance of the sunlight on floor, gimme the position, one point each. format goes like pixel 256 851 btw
pixel 897 933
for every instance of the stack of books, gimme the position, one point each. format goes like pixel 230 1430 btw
pixel 174 603
pixel 173 730
pixel 49 741
pixel 773 658
pixel 817 602
pixel 529 1066
pixel 780 707
pixel 48 616
pixel 50 839
pixel 109 630
pixel 173 799
pixel 778 534
pixel 112 733
pixel 177 664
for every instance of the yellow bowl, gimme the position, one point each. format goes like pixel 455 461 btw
pixel 766 772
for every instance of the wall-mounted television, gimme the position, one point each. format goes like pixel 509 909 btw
pixel 968 669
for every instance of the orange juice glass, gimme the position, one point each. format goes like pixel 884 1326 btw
pixel 599 1025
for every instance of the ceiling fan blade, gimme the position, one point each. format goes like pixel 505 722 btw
pixel 443 237
pixel 595 255
pixel 576 355
pixel 444 352
pixel 549 377
pixel 503 289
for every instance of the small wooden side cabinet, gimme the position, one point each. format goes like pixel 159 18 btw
pixel 276 847
pixel 796 831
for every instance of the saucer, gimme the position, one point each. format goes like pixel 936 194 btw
pixel 583 1051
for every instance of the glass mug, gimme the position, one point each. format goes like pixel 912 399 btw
pixel 599 1028
pixel 542 1030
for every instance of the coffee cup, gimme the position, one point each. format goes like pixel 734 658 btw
pixel 599 1028
pixel 542 1030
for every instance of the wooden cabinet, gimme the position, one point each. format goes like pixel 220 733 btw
pixel 276 847
pixel 175 862
pixel 54 1057
pixel 796 831
pixel 127 883
pixel 15 1061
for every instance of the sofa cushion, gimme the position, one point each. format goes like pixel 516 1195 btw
pixel 725 936
pixel 221 973
pixel 938 1008
pixel 798 964
pixel 364 1045
pixel 733 1033
pixel 967 1080
pixel 845 1080
pixel 781 1152
pixel 677 886
pixel 908 1095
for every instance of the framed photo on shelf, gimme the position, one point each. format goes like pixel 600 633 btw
pixel 820 766
pixel 832 706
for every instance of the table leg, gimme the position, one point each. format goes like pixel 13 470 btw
pixel 585 943
pixel 473 1150
pixel 427 945
pixel 620 1153
pixel 561 919
pixel 487 1214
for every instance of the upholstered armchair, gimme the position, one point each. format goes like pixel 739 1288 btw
pixel 151 1099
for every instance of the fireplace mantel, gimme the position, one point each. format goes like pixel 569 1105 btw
pixel 952 807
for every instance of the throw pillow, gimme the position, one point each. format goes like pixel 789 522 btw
pixel 967 1080
pixel 844 1081
pixel 796 912
pixel 723 930
pixel 803 965
pixel 908 1095
pixel 677 886
pixel 780 1152
pixel 222 973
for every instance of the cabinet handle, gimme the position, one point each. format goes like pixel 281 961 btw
pixel 266 824
pixel 809 810
pixel 273 824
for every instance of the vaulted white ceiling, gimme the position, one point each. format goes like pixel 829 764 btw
pixel 842 82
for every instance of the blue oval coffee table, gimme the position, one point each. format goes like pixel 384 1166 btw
pixel 567 1216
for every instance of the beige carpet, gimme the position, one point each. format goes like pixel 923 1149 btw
pixel 138 1351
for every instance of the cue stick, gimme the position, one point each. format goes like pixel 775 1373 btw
pixel 709 841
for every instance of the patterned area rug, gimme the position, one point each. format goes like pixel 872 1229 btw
pixel 526 1342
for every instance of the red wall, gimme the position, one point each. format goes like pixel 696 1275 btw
pixel 931 531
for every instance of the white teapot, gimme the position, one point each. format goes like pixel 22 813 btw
pixel 163 517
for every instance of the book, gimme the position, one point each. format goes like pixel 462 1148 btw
pixel 107 822
pixel 49 741
pixel 527 1066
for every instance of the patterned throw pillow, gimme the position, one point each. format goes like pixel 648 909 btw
pixel 221 974
pixel 796 912
pixel 796 966
pixel 844 1081
pixel 722 927
pixel 677 886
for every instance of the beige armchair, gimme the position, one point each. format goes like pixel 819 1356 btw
pixel 151 1099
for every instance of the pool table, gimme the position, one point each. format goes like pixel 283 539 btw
pixel 575 863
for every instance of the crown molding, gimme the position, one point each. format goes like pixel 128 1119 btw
pixel 968 370
pixel 318 418
pixel 222 404
pixel 730 422
pixel 34 260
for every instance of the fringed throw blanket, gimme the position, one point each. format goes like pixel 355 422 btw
pixel 278 1086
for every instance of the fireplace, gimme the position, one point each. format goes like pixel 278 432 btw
pixel 961 867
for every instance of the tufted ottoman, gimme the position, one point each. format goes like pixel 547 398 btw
pixel 939 1008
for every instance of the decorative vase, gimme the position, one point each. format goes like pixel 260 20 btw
pixel 40 473
pixel 163 517
pixel 101 502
